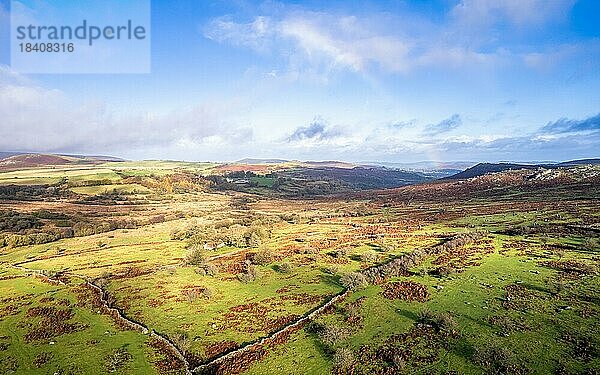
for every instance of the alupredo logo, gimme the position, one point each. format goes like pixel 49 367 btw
pixel 83 36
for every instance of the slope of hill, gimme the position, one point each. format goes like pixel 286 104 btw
pixel 485 168
pixel 15 161
pixel 33 160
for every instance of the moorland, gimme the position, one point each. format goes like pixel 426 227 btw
pixel 279 267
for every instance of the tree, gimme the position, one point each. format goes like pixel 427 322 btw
pixel 195 256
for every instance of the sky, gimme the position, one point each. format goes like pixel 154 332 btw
pixel 394 81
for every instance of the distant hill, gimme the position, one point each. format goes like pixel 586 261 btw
pixel 579 162
pixel 260 161
pixel 358 177
pixel 4 155
pixel 485 168
pixel 23 160
pixel 428 165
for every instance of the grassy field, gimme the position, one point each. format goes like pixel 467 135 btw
pixel 212 270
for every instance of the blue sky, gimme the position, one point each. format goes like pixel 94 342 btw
pixel 394 81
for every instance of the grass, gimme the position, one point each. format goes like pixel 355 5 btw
pixel 111 189
pixel 145 275
pixel 67 349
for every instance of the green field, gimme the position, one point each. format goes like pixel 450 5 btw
pixel 212 270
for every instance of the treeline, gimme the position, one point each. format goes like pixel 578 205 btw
pixel 81 183
pixel 77 229
pixel 24 229
pixel 31 192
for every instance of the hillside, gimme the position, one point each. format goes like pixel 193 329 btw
pixel 16 161
pixel 485 168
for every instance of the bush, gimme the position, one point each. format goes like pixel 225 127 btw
pixel 343 359
pixel 591 244
pixel 245 277
pixel 354 281
pixel 340 253
pixel 207 269
pixel 331 335
pixel 445 271
pixel 250 275
pixel 207 293
pixel 195 256
pixel 443 322
pixel 262 257
pixel 201 271
pixel 285 267
pixel 497 360
pixel 115 361
pixel 211 269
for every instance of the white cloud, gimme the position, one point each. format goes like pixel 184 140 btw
pixel 318 44
pixel 530 13
pixel 344 42
pixel 35 118
pixel 255 34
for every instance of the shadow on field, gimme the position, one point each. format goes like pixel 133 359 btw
pixel 408 314
pixel 331 279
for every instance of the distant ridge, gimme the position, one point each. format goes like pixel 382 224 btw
pixel 485 168
pixel 580 162
pixel 261 161
pixel 33 160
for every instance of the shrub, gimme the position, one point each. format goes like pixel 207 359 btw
pixel 331 335
pixel 211 269
pixel 354 281
pixel 201 271
pixel 262 257
pixel 245 278
pixel 253 240
pixel 343 359
pixel 195 256
pixel 445 271
pixel 340 253
pixel 497 360
pixel 249 275
pixel 443 322
pixel 182 341
pixel 116 360
pixel 192 294
pixel 285 267
pixel 591 244
pixel 207 269
pixel 207 293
